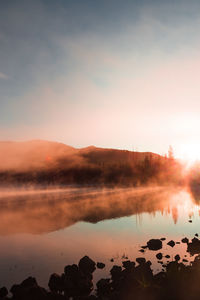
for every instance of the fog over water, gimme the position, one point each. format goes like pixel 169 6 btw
pixel 43 230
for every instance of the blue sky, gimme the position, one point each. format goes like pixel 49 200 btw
pixel 121 74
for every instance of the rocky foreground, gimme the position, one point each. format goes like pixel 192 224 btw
pixel 132 280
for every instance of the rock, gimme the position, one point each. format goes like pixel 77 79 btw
pixel 28 289
pixel 16 290
pixel 3 292
pixel 177 257
pixel 163 239
pixel 103 287
pixel 141 250
pixel 159 256
pixel 185 240
pixel 171 243
pixel 154 244
pixel 178 243
pixel 185 260
pixel 71 271
pixel 87 265
pixel 29 282
pixel 194 246
pixel 144 247
pixel 128 265
pixel 35 292
pixel 141 260
pixel 100 265
pixel 190 221
pixel 196 234
pixel 55 283
pixel 167 256
pixel 116 272
pixel 112 260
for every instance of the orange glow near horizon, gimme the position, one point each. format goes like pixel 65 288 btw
pixel 188 152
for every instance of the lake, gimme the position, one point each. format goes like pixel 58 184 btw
pixel 41 231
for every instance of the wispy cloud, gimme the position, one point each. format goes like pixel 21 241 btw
pixel 3 76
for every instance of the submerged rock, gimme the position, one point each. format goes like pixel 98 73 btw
pixel 171 243
pixel 154 244
pixel 100 265
pixel 185 240
pixel 159 256
pixel 144 247
pixel 128 264
pixel 140 260
pixel 177 257
pixel 141 250
pixel 194 246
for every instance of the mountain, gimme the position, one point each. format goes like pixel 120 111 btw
pixel 39 154
pixel 44 162
pixel 33 155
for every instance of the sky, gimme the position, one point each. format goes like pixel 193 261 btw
pixel 112 73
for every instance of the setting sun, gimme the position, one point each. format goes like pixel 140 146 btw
pixel 188 152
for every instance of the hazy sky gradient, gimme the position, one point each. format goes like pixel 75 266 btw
pixel 110 73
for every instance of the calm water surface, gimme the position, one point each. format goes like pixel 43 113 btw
pixel 42 231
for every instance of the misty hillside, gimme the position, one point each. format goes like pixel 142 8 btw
pixel 44 162
pixel 38 154
pixel 34 154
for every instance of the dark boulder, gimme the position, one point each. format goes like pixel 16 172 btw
pixel 29 282
pixel 128 265
pixel 103 287
pixel 71 271
pixel 87 265
pixel 194 246
pixel 144 247
pixel 185 240
pixel 100 265
pixel 171 243
pixel 177 257
pixel 141 260
pixel 154 244
pixel 55 283
pixel 3 292
pixel 159 256
pixel 116 272
pixel 36 293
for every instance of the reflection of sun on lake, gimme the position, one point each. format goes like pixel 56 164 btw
pixel 42 232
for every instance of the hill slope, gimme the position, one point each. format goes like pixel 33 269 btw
pixel 43 162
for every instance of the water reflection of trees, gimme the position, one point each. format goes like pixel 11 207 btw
pixel 39 213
